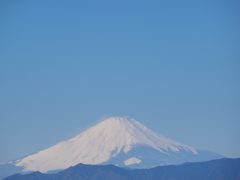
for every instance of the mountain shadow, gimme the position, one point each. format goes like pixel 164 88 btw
pixel 222 169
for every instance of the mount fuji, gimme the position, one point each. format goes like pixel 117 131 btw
pixel 121 141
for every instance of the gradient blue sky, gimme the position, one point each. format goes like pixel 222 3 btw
pixel 172 65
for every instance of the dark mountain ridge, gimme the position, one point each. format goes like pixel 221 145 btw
pixel 222 169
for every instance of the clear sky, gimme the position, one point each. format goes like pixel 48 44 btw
pixel 172 65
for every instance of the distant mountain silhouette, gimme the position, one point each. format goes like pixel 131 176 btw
pixel 120 141
pixel 223 169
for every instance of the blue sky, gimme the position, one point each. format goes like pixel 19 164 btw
pixel 172 65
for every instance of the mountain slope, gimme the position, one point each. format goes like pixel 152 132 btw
pixel 224 169
pixel 119 141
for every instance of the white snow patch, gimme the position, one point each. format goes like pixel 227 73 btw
pixel 132 160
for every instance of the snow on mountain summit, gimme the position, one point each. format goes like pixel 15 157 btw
pixel 114 140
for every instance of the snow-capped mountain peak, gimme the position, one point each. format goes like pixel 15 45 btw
pixel 124 133
pixel 116 140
